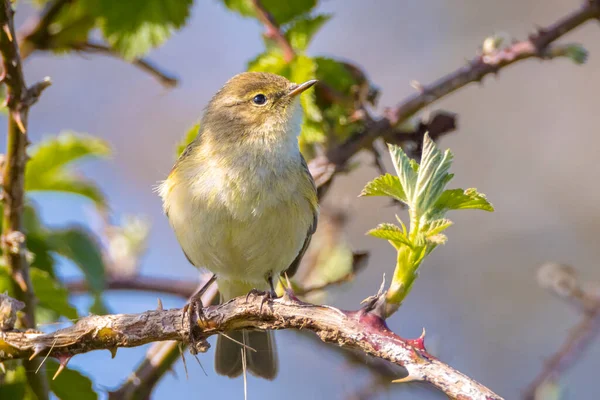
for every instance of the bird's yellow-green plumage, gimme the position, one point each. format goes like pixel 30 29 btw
pixel 240 198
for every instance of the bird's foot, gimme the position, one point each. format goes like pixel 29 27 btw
pixel 266 296
pixel 194 310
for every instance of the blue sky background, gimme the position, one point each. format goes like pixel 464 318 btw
pixel 528 139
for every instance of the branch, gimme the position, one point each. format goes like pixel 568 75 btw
pixel 158 360
pixel 19 99
pixel 356 330
pixel 175 287
pixel 273 30
pixel 537 46
pixel 561 280
pixel 167 80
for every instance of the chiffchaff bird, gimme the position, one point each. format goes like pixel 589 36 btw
pixel 242 202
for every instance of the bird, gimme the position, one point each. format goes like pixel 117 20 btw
pixel 242 202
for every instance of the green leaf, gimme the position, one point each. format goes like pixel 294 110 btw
pixel 189 136
pixel 80 246
pixel 457 199
pixel 47 170
pixel 271 61
pixel 438 226
pixel 385 185
pixel 432 175
pixel 302 70
pixel 133 27
pixel 282 11
pixel 392 233
pixel 312 132
pixel 335 74
pixel 70 384
pixel 71 27
pixel 50 294
pixel 405 171
pixel 14 384
pixel 302 30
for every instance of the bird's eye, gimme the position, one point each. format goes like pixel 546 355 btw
pixel 259 99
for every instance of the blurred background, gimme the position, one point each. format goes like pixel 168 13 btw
pixel 528 138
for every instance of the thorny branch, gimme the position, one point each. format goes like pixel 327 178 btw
pixel 358 330
pixel 562 281
pixel 18 100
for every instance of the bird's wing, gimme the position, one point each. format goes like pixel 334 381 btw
pixel 291 270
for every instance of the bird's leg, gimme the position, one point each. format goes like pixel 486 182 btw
pixel 266 295
pixel 195 309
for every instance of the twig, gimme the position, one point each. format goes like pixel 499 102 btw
pixel 166 79
pixel 561 280
pixel 273 30
pixel 19 99
pixel 537 46
pixel 356 330
pixel 176 287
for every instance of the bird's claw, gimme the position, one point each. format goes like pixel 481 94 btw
pixel 266 296
pixel 195 314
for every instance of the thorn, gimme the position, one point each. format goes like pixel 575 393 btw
pixel 6 29
pixel 36 351
pixel 113 351
pixel 19 121
pixel 160 305
pixel 2 367
pixel 63 364
pixel 418 343
pixel 408 378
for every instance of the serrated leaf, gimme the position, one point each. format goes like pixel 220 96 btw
pixel 302 30
pixel 70 384
pixel 282 11
pixel 80 246
pixel 457 199
pixel 404 170
pixel 189 136
pixel 47 170
pixel 390 232
pixel 50 294
pixel 385 185
pixel 133 27
pixel 439 238
pixel 438 226
pixel 432 175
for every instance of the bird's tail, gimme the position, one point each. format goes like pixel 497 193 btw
pixel 261 354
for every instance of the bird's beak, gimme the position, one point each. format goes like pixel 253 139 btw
pixel 297 89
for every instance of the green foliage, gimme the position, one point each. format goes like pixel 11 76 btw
pixel 70 384
pixel 48 168
pixel 13 384
pixel 386 185
pixel 282 11
pixel 134 27
pixel 50 294
pixel 422 189
pixel 80 246
pixel 302 30
pixel 189 136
